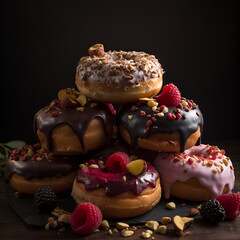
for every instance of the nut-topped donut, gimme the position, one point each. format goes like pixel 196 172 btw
pixel 200 173
pixel 72 124
pixel 169 125
pixel 30 167
pixel 118 76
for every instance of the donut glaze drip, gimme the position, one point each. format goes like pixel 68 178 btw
pixel 138 124
pixel 57 166
pixel 77 120
pixel 119 68
pixel 114 184
pixel 206 163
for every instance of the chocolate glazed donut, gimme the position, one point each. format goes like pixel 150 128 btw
pixel 139 121
pixel 79 121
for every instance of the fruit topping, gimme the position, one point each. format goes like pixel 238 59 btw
pixel 86 218
pixel 231 204
pixel 181 223
pixel 136 167
pixel 116 163
pixel 212 211
pixel 170 96
pixel 45 199
pixel 111 107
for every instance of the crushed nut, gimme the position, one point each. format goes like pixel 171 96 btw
pixel 82 99
pixel 80 109
pixel 130 117
pixel 105 224
pixel 171 205
pixel 94 166
pixel 127 233
pixel 162 229
pixel 193 212
pixel 166 220
pixel 181 223
pixel 121 225
pixel 66 218
pixel 146 235
pixel 152 225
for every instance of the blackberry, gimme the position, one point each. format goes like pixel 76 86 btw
pixel 212 211
pixel 45 199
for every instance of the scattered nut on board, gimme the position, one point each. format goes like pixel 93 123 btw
pixel 181 223
pixel 152 225
pixel 162 229
pixel 121 225
pixel 171 205
pixel 127 233
pixel 166 220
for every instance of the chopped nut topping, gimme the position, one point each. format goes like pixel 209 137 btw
pixel 166 220
pixel 171 205
pixel 152 225
pixel 162 229
pixel 127 233
pixel 94 166
pixel 121 225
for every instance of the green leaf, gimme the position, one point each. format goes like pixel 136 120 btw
pixel 15 144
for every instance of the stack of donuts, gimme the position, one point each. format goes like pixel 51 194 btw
pixel 123 163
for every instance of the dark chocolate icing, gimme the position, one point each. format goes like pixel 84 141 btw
pixel 137 127
pixel 115 184
pixel 58 166
pixel 77 120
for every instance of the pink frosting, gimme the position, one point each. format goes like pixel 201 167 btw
pixel 206 163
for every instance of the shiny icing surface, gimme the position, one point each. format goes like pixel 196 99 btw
pixel 114 184
pixel 119 68
pixel 40 164
pixel 141 121
pixel 79 121
pixel 206 163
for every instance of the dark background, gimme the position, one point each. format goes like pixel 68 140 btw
pixel 195 41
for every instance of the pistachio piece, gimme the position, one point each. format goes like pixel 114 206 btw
pixel 136 167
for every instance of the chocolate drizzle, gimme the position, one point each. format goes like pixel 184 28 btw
pixel 77 120
pixel 115 184
pixel 137 124
pixel 58 166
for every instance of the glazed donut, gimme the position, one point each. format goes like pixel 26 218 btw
pixel 66 127
pixel 200 173
pixel 118 195
pixel 118 76
pixel 30 167
pixel 147 125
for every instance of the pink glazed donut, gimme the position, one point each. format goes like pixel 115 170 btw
pixel 200 173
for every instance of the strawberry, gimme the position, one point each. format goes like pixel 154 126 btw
pixel 86 218
pixel 231 204
pixel 116 163
pixel 170 96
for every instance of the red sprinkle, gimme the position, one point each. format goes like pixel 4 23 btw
pixel 142 113
pixel 189 104
pixel 186 109
pixel 171 116
pixel 176 160
pixel 24 158
pixel 179 116
pixel 190 160
pixel 54 114
pixel 149 123
pixel 34 158
pixel 162 107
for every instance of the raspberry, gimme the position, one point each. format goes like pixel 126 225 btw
pixel 86 218
pixel 231 204
pixel 45 199
pixel 170 96
pixel 116 163
pixel 212 211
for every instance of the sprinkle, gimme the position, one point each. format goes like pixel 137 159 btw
pixel 198 114
pixel 183 204
pixel 142 113
pixel 186 109
pixel 176 160
pixel 179 116
pixel 172 143
pixel 134 108
pixel 190 160
pixel 162 107
pixel 54 114
pixel 149 123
